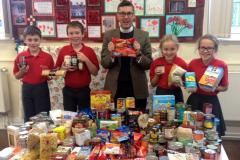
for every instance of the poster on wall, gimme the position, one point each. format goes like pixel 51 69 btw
pixel 182 25
pixel 47 28
pixel 108 23
pixel 78 8
pixel 42 7
pixel 154 7
pixel 151 25
pixel 177 6
pixel 110 6
pixel 138 7
pixel 94 31
pixel 61 31
pixel 62 16
pixel 18 10
pixel 93 16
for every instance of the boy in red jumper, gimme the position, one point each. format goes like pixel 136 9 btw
pixel 28 67
pixel 76 93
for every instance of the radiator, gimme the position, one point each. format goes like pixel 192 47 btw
pixel 230 100
pixel 4 91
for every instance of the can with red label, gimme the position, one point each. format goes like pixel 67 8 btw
pixel 209 154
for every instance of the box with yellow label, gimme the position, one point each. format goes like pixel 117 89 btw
pixel 100 100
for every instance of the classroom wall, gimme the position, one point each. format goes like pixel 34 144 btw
pixel 228 51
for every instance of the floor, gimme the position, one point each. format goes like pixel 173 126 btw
pixel 232 149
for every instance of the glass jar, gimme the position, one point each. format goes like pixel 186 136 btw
pixel 156 116
pixel 168 132
pixel 171 114
pixel 176 146
pixel 22 141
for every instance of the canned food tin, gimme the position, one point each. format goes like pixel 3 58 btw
pixel 209 154
pixel 67 60
pixel 198 135
pixel 130 102
pixel 74 60
pixel 189 147
pixel 213 147
pixel 176 146
pixel 168 132
pixel 121 105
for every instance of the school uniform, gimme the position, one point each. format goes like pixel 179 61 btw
pixel 196 100
pixel 162 87
pixel 76 91
pixel 35 92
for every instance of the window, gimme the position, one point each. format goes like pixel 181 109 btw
pixel 235 29
pixel 5 21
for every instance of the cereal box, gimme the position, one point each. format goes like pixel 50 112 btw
pixel 100 100
pixel 211 78
pixel 162 102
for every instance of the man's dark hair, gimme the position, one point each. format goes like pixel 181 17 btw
pixel 75 24
pixel 125 3
pixel 32 30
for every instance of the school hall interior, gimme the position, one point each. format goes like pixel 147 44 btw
pixel 219 17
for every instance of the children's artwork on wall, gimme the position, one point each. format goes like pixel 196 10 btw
pixel 138 7
pixel 110 6
pixel 78 8
pixel 108 23
pixel 94 31
pixel 18 10
pixel 62 2
pixel 177 6
pixel 62 16
pixel 192 3
pixel 154 7
pixel 94 2
pixel 61 31
pixel 93 16
pixel 151 25
pixel 42 7
pixel 47 28
pixel 182 25
pixel 101 14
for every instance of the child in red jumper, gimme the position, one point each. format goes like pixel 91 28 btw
pixel 28 67
pixel 76 93
pixel 160 68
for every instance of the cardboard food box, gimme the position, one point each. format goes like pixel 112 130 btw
pixel 211 78
pixel 100 100
pixel 190 81
pixel 162 102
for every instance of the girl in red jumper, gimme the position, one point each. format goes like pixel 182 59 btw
pixel 160 68
pixel 207 49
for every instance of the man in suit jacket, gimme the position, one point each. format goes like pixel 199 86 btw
pixel 126 75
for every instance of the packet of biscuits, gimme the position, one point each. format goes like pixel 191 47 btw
pixel 124 47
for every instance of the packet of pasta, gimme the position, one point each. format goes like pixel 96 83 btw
pixel 124 47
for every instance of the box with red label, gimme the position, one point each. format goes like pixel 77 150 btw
pixel 124 47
